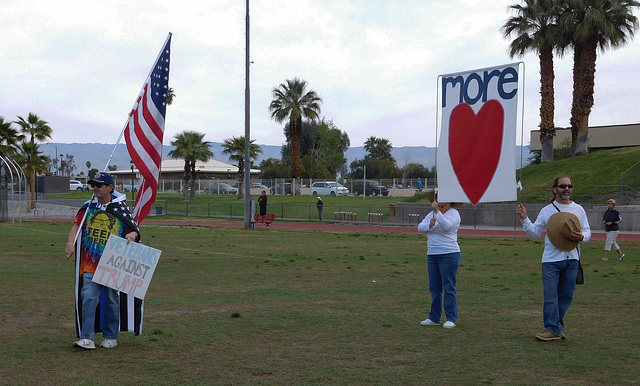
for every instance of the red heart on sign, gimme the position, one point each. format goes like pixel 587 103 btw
pixel 475 143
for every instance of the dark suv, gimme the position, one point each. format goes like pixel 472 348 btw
pixel 281 188
pixel 369 188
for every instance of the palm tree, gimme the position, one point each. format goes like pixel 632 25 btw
pixel 378 148
pixel 37 130
pixel 9 138
pixel 234 148
pixel 171 95
pixel 535 29
pixel 292 101
pixel 32 161
pixel 592 24
pixel 190 146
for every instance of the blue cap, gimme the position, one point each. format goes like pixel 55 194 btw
pixel 102 177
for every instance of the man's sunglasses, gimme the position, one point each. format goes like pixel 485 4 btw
pixel 98 184
pixel 564 186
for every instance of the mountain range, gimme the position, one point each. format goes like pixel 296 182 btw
pixel 98 154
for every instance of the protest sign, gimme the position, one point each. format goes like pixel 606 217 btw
pixel 478 124
pixel 127 266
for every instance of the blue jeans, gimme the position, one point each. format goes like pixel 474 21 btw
pixel 559 282
pixel 90 297
pixel 442 279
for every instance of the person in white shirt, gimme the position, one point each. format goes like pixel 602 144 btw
pixel 443 260
pixel 559 268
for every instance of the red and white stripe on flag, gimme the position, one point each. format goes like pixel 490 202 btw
pixel 144 132
pixel 478 123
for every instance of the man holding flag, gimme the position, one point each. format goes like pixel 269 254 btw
pixel 105 214
pixel 99 307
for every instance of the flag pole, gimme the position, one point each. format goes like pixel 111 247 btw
pixel 134 105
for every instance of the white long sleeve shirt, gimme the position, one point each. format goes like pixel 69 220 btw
pixel 535 230
pixel 442 237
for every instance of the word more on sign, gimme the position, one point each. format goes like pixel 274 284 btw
pixel 127 267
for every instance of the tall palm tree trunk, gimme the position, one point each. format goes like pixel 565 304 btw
pixel 30 192
pixel 296 169
pixel 584 70
pixel 547 104
pixel 192 180
pixel 33 191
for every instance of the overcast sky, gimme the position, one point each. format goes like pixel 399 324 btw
pixel 80 64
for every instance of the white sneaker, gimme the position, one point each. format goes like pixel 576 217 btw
pixel 448 324
pixel 109 343
pixel 429 322
pixel 86 344
pixel 605 259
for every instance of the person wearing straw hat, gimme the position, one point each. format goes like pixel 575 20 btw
pixel 443 260
pixel 610 219
pixel 566 226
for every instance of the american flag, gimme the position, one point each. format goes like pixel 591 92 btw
pixel 145 129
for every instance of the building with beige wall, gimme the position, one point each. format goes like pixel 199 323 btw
pixel 174 169
pixel 600 137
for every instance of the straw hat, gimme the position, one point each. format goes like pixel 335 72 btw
pixel 559 227
pixel 432 195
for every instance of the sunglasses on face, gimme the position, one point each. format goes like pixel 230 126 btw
pixel 564 186
pixel 98 184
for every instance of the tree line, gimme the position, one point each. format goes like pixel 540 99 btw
pixel 22 146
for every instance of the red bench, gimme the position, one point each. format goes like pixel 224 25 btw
pixel 267 219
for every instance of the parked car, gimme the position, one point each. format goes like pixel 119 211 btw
pixel 126 188
pixel 328 187
pixel 281 188
pixel 257 185
pixel 369 188
pixel 77 186
pixel 220 188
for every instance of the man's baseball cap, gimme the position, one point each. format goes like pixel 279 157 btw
pixel 103 178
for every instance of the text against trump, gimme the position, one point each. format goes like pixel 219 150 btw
pixel 126 266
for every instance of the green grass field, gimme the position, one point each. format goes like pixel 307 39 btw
pixel 234 306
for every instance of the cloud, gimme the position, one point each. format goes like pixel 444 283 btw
pixel 80 65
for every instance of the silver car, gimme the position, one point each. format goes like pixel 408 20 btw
pixel 220 188
pixel 77 185
pixel 328 187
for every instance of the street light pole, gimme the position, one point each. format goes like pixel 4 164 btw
pixel 247 129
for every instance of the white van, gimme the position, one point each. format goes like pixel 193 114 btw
pixel 328 187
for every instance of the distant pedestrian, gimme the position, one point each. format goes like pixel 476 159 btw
pixel 610 219
pixel 262 201
pixel 319 205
